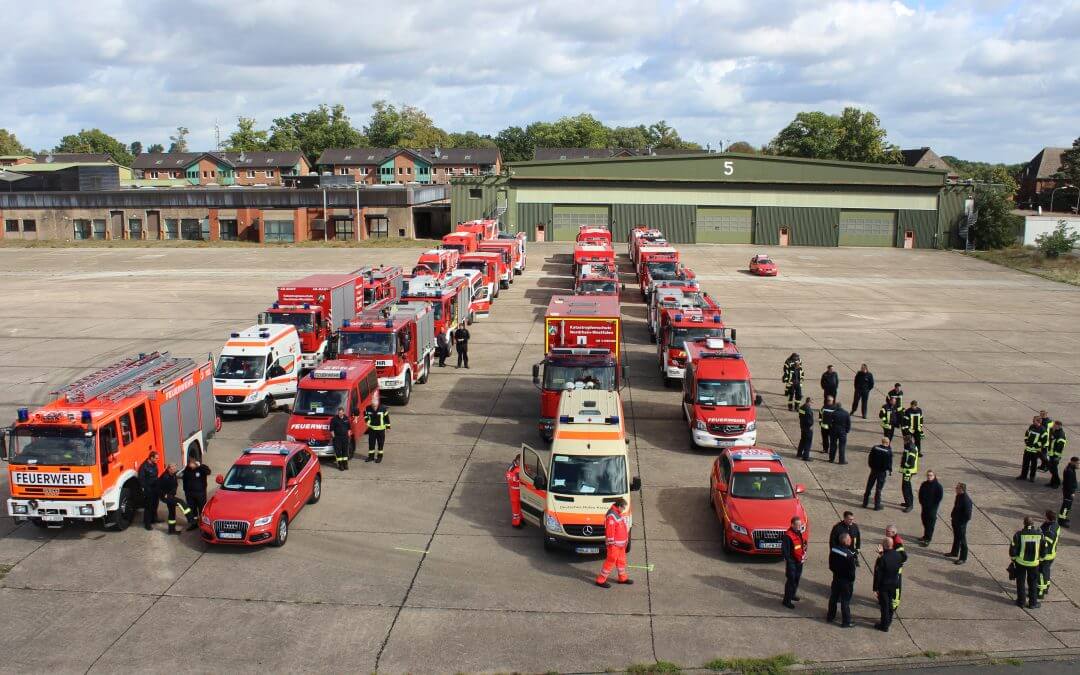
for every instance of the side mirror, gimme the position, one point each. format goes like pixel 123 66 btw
pixel 4 443
pixel 219 479
pixel 540 483
pixel 635 484
pixel 799 488
pixel 758 400
pixel 291 483
pixel 536 373
pixel 733 333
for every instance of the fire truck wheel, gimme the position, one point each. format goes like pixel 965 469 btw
pixel 263 409
pixel 723 538
pixel 316 491
pixel 472 317
pixel 406 391
pixel 125 511
pixel 504 283
pixel 281 532
pixel 652 337
pixel 427 371
pixel 669 382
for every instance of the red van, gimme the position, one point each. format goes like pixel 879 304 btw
pixel 350 384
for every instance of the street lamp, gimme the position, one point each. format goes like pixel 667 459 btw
pixel 1061 187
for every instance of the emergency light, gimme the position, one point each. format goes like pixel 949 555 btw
pixel 234 335
pixel 678 317
pixel 86 417
pixel 716 318
pixel 389 323
pixel 346 323
pixel 307 306
pixel 276 306
pixel 23 414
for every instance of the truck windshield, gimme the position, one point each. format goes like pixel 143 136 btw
pixel 320 401
pixel 724 392
pixel 253 477
pixel 576 475
pixel 663 270
pixel 454 247
pixel 231 367
pixel 478 265
pixel 596 288
pixel 680 335
pixel 369 296
pixel 755 485
pixel 579 377
pixel 52 445
pixel 304 321
pixel 367 342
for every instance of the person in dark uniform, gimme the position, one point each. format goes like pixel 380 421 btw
pixel 461 344
pixel 824 420
pixel 806 430
pixel 1032 450
pixel 889 418
pixel 166 486
pixel 194 481
pixel 1045 423
pixel 880 461
pixel 1025 551
pixel 911 423
pixel 930 496
pixel 1068 489
pixel 897 395
pixel 442 346
pixel 846 525
pixel 378 423
pixel 340 430
pixel 864 384
pixel 793 377
pixel 909 466
pixel 830 382
pixel 1048 552
pixel 886 581
pixel 843 561
pixel 1054 452
pixel 959 518
pixel 793 549
pixel 839 428
pixel 148 475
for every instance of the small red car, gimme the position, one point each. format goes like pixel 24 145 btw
pixel 261 494
pixel 763 266
pixel 754 500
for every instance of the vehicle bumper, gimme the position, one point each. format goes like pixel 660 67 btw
pixel 322 450
pixel 238 407
pixel 392 383
pixel 744 543
pixel 310 361
pixel 579 545
pixel 546 426
pixel 709 440
pixel 674 372
pixel 256 536
pixel 55 511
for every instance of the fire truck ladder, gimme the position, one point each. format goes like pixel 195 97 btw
pixel 124 378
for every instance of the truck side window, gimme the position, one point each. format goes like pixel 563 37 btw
pixel 107 439
pixel 530 463
pixel 301 459
pixel 125 429
pixel 725 469
pixel 141 425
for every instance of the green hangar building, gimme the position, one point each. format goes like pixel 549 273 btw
pixel 722 198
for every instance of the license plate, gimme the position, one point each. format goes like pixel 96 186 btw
pixel 587 549
pixel 725 444
pixel 227 411
pixel 230 535
pixel 53 519
pixel 770 544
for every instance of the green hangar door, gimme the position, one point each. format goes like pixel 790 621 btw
pixel 867 228
pixel 565 220
pixel 724 225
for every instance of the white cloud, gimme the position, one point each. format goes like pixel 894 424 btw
pixel 981 80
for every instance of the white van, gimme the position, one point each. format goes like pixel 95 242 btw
pixel 258 370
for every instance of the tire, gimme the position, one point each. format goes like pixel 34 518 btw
pixel 39 523
pixel 427 371
pixel 496 293
pixel 406 392
pixel 472 317
pixel 669 382
pixel 121 518
pixel 281 532
pixel 263 411
pixel 316 491
pixel 549 547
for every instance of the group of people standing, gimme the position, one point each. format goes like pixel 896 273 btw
pixel 160 487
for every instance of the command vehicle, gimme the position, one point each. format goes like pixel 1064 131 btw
pixel 642 236
pixel 718 396
pixel 462 242
pixel 763 266
pixel 488 264
pixel 673 295
pixel 656 262
pixel 480 302
pixel 316 305
pixel 77 457
pixel 567 490
pixel 678 326
pixel 261 495
pixel 450 300
pixel 592 252
pixel 523 243
pixel 582 347
pixel 754 499
pixel 258 370
pixel 510 255
pixel 594 233
pixel 381 282
pixel 597 279
pixel 351 385
pixel 485 229
pixel 400 339
pixel 438 262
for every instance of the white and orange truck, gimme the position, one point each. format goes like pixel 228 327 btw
pixel 258 369
pixel 77 457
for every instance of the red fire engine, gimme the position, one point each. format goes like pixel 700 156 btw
pixel 643 236
pixel 509 253
pixel 673 295
pixel 679 325
pixel 380 283
pixel 400 338
pixel 438 262
pixel 462 242
pixel 594 233
pixel 597 279
pixel 592 252
pixel 485 229
pixel 450 301
pixel 487 263
pixel 718 395
pixel 317 305
pixel 351 385
pixel 657 262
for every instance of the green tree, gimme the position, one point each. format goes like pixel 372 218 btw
pixel 629 137
pixel 1061 240
pixel 995 226
pixel 515 144
pixel 407 127
pixel 95 140
pixel 579 131
pixel 247 137
pixel 663 135
pixel 155 147
pixel 852 136
pixel 470 139
pixel 742 146
pixel 1070 163
pixel 135 147
pixel 178 141
pixel 314 131
pixel 9 145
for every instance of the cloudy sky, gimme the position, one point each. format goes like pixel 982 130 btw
pixel 981 79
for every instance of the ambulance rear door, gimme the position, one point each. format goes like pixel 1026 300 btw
pixel 534 480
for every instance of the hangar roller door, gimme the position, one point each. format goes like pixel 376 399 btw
pixel 724 225
pixel 867 228
pixel 565 220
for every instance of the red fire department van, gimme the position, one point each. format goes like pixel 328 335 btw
pixel 718 396
pixel 381 282
pixel 485 229
pixel 656 262
pixel 437 261
pixel 673 295
pixel 77 457
pixel 677 326
pixel 317 305
pixel 462 242
pixel 582 346
pixel 754 499
pixel 509 255
pixel 597 279
pixel 594 233
pixel 450 300
pixel 352 385
pixel 488 264
pixel 399 338
pixel 643 236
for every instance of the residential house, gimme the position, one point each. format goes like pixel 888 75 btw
pixel 13 160
pixel 1038 181
pixel 384 166
pixel 219 168
pixel 925 158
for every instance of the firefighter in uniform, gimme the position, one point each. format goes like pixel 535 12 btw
pixel 616 537
pixel 898 546
pixel 513 486
pixel 897 395
pixel 793 549
pixel 194 481
pixel 806 430
pixel 912 424
pixel 1045 424
pixel 839 428
pixel 879 460
pixel 166 486
pixel 1068 488
pixel 461 344
pixel 148 476
pixel 824 420
pixel 1032 449
pixel 888 417
pixel 378 423
pixel 793 377
pixel 1026 553
pixel 909 466
pixel 340 430
pixel 843 561
pixel 1051 534
pixel 886 581
pixel 1054 452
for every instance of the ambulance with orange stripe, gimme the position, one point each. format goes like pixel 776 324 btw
pixel 258 370
pixel 567 490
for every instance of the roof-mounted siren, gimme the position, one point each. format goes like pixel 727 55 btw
pixel 23 414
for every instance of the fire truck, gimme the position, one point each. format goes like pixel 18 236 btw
pixel 509 255
pixel 643 236
pixel 488 264
pixel 515 244
pixel 462 242
pixel 437 261
pixel 523 244
pixel 480 304
pixel 381 282
pixel 317 305
pixel 657 262
pixel 718 396
pixel 597 279
pixel 485 229
pixel 77 458
pixel 399 338
pixel 594 233
pixel 592 252
pixel 678 326
pixel 350 385
pixel 675 295
pixel 660 276
pixel 450 300
pixel 582 346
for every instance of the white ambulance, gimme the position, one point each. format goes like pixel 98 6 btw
pixel 258 370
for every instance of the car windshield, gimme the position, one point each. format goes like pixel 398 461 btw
pixel 761 485
pixel 304 321
pixel 681 335
pixel 764 261
pixel 454 247
pixel 240 367
pixel 724 392
pixel 663 270
pixel 579 377
pixel 575 475
pixel 596 287
pixel 53 446
pixel 367 342
pixel 253 478
pixel 477 265
pixel 319 401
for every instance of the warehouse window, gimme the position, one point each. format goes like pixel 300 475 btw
pixel 476 193
pixel 228 230
pixel 99 228
pixel 172 229
pixel 279 230
pixel 378 226
pixel 82 228
pixel 190 229
pixel 269 173
pixel 11 226
pixel 29 225
pixel 343 228
pixel 251 173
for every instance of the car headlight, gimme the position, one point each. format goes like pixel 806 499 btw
pixel 700 425
pixel 735 527
pixel 752 426
pixel 253 396
pixel 290 438
pixel 551 524
pixel 265 520
pixel 86 510
pixel 205 519
pixel 20 508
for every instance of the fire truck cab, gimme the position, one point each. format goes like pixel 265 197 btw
pixel 657 262
pixel 438 262
pixel 257 370
pixel 594 233
pixel 592 252
pixel 567 490
pixel 450 300
pixel 718 395
pixel 462 242
pixel 597 279
pixel 509 254
pixel 642 236
pixel 523 246
pixel 77 458
pixel 351 385
pixel 673 295
pixel 679 326
pixel 484 229
pixel 488 264
pixel 381 282
pixel 399 338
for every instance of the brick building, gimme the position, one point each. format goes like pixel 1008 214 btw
pixel 925 158
pixel 178 169
pixel 1038 182
pixel 386 166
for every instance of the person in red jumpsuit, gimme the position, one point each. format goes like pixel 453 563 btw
pixel 513 485
pixel 617 535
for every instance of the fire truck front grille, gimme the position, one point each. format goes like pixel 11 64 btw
pixel 53 491
pixel 580 530
pixel 224 528
pixel 727 429
pixel 229 399
pixel 772 537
